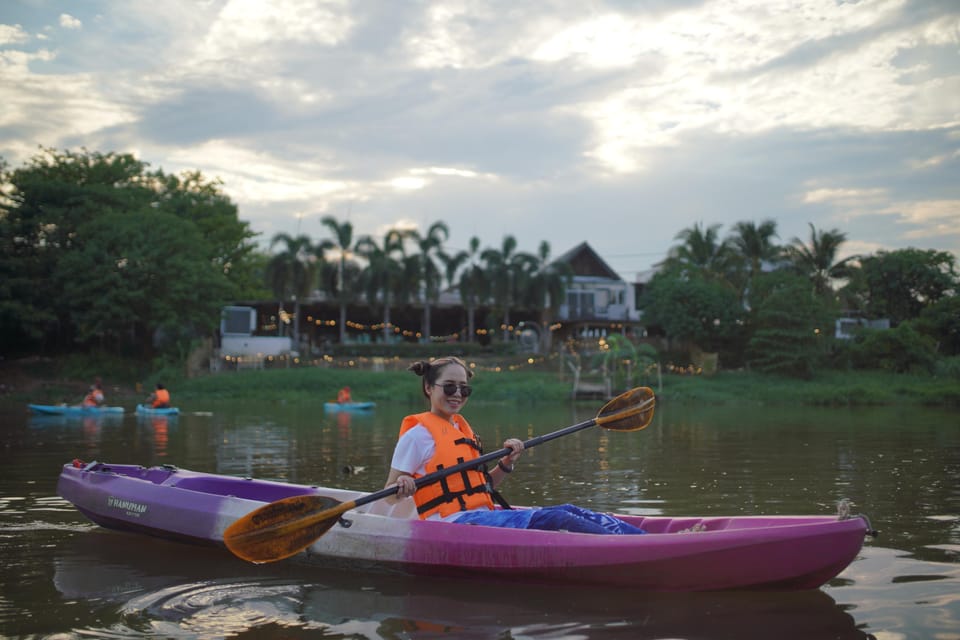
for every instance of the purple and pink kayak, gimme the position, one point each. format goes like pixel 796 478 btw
pixel 677 554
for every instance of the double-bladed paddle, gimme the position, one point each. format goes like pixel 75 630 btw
pixel 286 527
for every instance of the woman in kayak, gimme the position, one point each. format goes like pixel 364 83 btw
pixel 160 398
pixel 95 397
pixel 441 438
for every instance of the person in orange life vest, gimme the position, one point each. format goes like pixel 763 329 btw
pixel 160 398
pixel 95 397
pixel 343 395
pixel 441 438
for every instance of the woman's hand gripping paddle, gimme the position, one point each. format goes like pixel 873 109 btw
pixel 286 527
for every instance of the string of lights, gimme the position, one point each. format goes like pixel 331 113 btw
pixel 397 330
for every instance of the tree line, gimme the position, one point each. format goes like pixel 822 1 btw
pixel 98 251
pixel 773 307
pixel 406 266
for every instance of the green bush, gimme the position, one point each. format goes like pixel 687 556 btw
pixel 790 331
pixel 941 321
pixel 900 350
pixel 113 369
pixel 948 368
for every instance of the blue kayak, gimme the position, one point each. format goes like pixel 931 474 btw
pixel 145 410
pixel 349 406
pixel 72 410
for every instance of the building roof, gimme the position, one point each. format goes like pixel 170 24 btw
pixel 584 261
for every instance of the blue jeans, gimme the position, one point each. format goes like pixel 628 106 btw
pixel 564 517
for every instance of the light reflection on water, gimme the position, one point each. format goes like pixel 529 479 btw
pixel 65 576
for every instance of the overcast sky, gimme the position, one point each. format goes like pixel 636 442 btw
pixel 619 123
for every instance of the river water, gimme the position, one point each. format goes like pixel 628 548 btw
pixel 65 578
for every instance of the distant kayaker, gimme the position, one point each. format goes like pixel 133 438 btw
pixel 95 397
pixel 160 398
pixel 343 396
pixel 441 438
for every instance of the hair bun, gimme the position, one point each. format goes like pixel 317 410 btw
pixel 420 367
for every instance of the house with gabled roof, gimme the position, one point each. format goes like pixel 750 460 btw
pixel 599 301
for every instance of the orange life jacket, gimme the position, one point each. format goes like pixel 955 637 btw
pixel 458 492
pixel 161 398
pixel 94 398
pixel 343 395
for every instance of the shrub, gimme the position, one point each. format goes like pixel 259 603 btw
pixel 948 367
pixel 790 335
pixel 941 321
pixel 899 350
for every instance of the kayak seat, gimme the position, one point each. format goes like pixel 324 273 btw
pixel 406 508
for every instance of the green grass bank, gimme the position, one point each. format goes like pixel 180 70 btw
pixel 526 385
pixel 827 389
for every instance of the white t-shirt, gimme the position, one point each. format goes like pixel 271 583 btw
pixel 414 449
pixel 413 452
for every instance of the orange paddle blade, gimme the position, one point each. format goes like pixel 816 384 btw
pixel 630 411
pixel 283 528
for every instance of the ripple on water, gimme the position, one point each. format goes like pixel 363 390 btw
pixel 38 526
pixel 220 607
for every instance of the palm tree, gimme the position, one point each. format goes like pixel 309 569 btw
pixel 755 243
pixel 471 283
pixel 342 286
pixel 507 272
pixel 701 252
pixel 818 260
pixel 387 275
pixel 755 246
pixel 292 273
pixel 547 289
pixel 430 276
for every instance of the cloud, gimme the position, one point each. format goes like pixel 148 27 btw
pixel 47 107
pixel 719 71
pixel 260 177
pixel 12 34
pixel 69 22
pixel 259 34
pixel 845 197
pixel 934 161
pixel 618 123
pixel 932 219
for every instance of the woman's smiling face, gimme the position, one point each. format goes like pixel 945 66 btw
pixel 442 404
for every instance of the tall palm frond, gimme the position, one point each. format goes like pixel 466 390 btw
pixel 292 273
pixel 507 271
pixel 430 274
pixel 818 260
pixel 701 253
pixel 343 283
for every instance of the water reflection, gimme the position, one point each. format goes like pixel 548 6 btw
pixel 882 580
pixel 159 427
pixel 89 427
pixel 265 449
pixel 40 421
pixel 176 591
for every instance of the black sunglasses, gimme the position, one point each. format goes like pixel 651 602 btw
pixel 450 388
